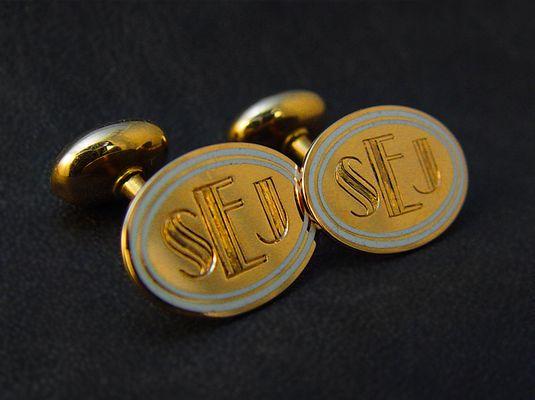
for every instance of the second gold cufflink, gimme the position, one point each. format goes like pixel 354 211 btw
pixel 383 179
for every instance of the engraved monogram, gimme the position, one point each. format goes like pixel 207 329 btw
pixel 273 210
pixel 357 186
pixel 366 194
pixel 224 240
pixel 188 244
pixel 428 165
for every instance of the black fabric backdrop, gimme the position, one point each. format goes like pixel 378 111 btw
pixel 451 320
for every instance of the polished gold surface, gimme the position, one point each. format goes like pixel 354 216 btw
pixel 385 179
pixel 96 166
pixel 282 122
pixel 218 231
pixel 131 185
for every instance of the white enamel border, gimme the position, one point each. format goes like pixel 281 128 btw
pixel 343 133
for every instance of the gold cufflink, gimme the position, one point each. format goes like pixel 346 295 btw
pixel 383 179
pixel 216 232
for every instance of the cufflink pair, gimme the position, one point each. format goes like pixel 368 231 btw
pixel 225 228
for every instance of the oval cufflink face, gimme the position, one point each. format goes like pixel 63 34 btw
pixel 218 231
pixel 385 179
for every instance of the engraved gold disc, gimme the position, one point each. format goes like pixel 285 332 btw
pixel 385 179
pixel 218 231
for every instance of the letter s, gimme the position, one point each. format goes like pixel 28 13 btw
pixel 356 186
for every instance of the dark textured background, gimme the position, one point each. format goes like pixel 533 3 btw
pixel 452 320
